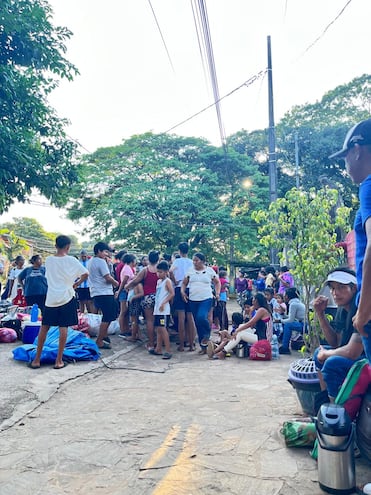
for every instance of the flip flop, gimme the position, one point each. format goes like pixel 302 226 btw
pixel 33 366
pixel 61 367
pixel 154 353
pixel 105 345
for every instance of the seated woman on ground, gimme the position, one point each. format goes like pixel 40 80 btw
pixel 255 329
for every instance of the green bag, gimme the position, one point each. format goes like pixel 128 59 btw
pixel 299 434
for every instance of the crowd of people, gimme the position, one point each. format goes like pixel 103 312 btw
pixel 169 293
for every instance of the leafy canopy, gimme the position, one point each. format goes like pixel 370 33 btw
pixel 156 190
pixel 34 149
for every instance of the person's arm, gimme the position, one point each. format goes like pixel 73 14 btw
pixel 111 280
pixel 284 282
pixel 80 280
pixel 363 314
pixel 171 274
pixel 139 291
pixel 183 288
pixel 22 277
pixel 124 279
pixel 333 338
pixel 251 323
pixel 216 282
pixel 170 295
pixel 352 350
pixel 292 314
pixel 137 279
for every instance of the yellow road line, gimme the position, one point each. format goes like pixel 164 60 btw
pixel 180 473
pixel 164 447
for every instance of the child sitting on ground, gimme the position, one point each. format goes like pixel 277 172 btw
pixel 247 310
pixel 225 335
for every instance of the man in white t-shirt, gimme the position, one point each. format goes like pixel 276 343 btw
pixel 64 274
pixel 178 270
pixel 101 284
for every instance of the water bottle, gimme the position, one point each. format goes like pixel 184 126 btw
pixel 275 349
pixel 34 313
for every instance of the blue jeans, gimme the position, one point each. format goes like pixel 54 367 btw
pixel 334 370
pixel 288 328
pixel 200 311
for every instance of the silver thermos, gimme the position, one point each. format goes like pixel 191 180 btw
pixel 335 435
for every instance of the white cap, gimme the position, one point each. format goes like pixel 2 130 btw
pixel 341 277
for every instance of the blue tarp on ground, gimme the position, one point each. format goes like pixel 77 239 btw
pixel 78 348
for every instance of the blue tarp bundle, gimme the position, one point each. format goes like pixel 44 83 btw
pixel 78 348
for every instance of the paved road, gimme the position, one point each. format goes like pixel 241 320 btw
pixel 140 425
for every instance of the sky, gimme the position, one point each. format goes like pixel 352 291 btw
pixel 127 84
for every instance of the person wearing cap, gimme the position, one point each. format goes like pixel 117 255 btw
pixel 83 291
pixel 334 360
pixel 356 152
pixel 101 284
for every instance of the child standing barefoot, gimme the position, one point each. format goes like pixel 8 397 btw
pixel 164 294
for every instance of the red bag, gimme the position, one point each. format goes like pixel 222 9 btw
pixel 351 394
pixel 19 299
pixel 261 351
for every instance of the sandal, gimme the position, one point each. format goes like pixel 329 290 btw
pixel 154 352
pixel 166 355
pixel 105 345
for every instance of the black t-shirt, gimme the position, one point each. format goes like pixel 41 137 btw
pixel 343 322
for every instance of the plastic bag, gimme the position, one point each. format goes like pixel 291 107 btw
pixel 299 434
pixel 94 322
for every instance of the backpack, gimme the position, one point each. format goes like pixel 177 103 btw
pixel 261 351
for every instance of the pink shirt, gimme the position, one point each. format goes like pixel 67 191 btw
pixel 126 271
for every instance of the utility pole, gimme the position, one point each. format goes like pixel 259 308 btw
pixel 272 137
pixel 272 144
pixel 297 160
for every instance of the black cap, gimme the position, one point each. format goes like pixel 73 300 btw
pixel 358 134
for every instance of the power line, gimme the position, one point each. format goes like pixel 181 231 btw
pixel 326 28
pixel 247 83
pixel 207 42
pixel 162 37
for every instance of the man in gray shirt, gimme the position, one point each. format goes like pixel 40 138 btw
pixel 101 285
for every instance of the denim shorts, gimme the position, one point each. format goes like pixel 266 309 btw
pixel 123 296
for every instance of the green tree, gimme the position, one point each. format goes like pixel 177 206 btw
pixel 319 128
pixel 11 244
pixel 29 230
pixel 302 226
pixel 34 149
pixel 157 189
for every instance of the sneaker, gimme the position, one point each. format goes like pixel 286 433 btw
pixel 107 340
pixel 284 350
